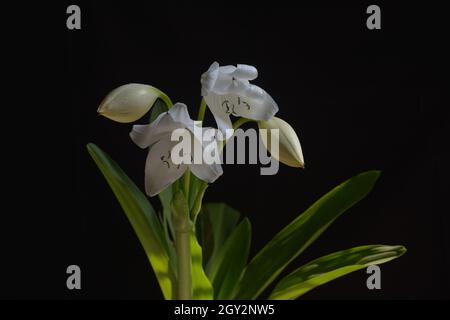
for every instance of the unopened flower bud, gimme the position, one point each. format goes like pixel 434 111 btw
pixel 129 102
pixel 290 152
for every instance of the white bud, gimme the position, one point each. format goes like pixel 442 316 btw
pixel 290 152
pixel 129 102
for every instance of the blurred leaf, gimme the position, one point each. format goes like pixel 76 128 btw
pixel 300 233
pixel 141 216
pixel 333 266
pixel 201 286
pixel 215 223
pixel 231 261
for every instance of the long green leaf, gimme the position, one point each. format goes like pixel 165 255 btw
pixel 333 266
pixel 215 224
pixel 300 233
pixel 141 216
pixel 231 261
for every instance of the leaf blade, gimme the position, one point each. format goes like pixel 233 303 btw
pixel 300 233
pixel 331 267
pixel 202 288
pixel 141 215
pixel 231 261
pixel 215 224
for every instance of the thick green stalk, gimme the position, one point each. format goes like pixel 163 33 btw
pixel 182 226
pixel 183 249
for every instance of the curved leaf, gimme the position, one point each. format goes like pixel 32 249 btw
pixel 141 216
pixel 231 261
pixel 300 233
pixel 333 266
pixel 214 225
pixel 201 286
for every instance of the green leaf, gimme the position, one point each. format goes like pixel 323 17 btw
pixel 230 263
pixel 300 233
pixel 201 286
pixel 215 224
pixel 166 197
pixel 141 216
pixel 333 266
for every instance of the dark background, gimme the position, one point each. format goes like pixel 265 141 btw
pixel 359 99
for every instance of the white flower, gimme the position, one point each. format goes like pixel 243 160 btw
pixel 129 102
pixel 289 151
pixel 227 90
pixel 160 171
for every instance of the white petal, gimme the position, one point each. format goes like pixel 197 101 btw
pixel 146 135
pixel 160 172
pixel 245 72
pixel 180 114
pixel 221 111
pixel 224 83
pixel 262 107
pixel 205 172
pixel 208 79
pixel 227 69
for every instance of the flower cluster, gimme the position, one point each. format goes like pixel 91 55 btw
pixel 227 92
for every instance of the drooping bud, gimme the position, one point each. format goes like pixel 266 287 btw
pixel 290 152
pixel 129 102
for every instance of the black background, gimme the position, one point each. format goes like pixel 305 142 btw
pixel 359 99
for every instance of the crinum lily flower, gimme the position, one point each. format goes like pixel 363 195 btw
pixel 227 91
pixel 160 171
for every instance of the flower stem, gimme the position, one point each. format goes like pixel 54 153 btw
pixel 202 110
pixel 164 97
pixel 187 182
pixel 183 250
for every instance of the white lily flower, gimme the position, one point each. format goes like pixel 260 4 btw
pixel 227 91
pixel 129 102
pixel 160 171
pixel 289 151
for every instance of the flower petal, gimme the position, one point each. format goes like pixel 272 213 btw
pixel 207 172
pixel 250 102
pixel 208 79
pixel 146 135
pixel 227 69
pixel 245 72
pixel 180 114
pixel 160 171
pixel 221 111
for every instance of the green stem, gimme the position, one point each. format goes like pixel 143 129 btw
pixel 164 97
pixel 202 110
pixel 187 183
pixel 183 250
